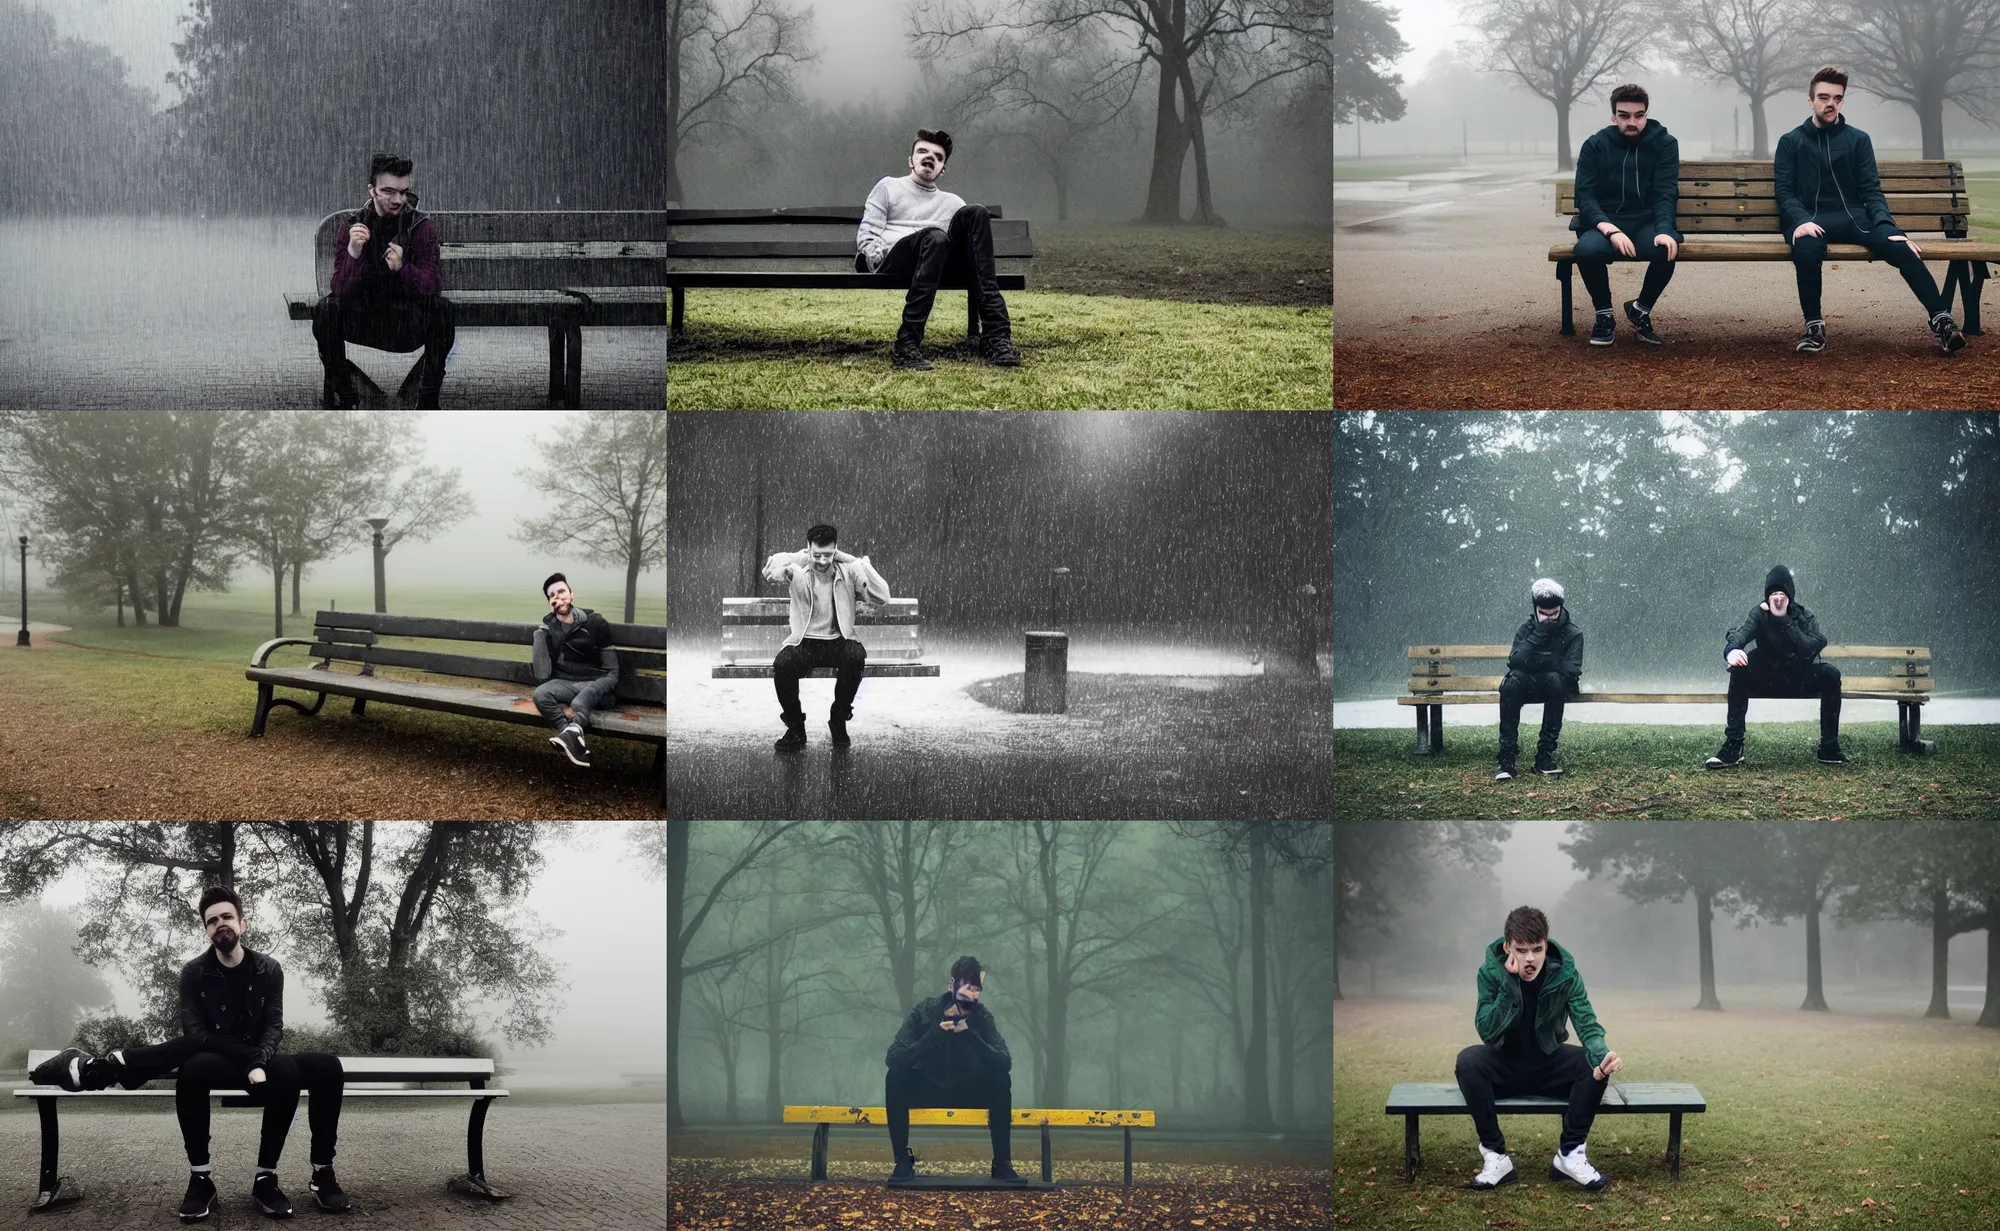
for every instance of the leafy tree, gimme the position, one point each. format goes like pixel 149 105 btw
pixel 1367 43
pixel 1924 872
pixel 1379 868
pixel 1804 864
pixel 607 475
pixel 44 989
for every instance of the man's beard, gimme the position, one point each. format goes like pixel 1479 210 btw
pixel 225 942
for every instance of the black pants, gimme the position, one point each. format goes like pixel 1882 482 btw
pixel 1487 1073
pixel 401 325
pixel 844 654
pixel 1763 678
pixel 907 1088
pixel 1593 255
pixel 1809 250
pixel 1521 688
pixel 278 1094
pixel 964 255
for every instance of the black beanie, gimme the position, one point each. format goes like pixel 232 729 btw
pixel 1780 578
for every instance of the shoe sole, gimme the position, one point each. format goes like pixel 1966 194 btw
pixel 566 752
pixel 1810 350
pixel 214 1204
pixel 1556 1173
pixel 1720 764
pixel 270 1211
pixel 342 1208
pixel 1953 345
pixel 1550 773
pixel 1605 342
pixel 1824 761
pixel 1504 777
pixel 1510 1178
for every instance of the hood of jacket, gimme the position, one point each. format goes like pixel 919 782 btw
pixel 1780 578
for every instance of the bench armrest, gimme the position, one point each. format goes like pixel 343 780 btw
pixel 264 651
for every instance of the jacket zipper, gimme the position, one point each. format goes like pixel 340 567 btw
pixel 1825 150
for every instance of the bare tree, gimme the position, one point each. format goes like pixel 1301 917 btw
pixel 608 475
pixel 1052 98
pixel 719 60
pixel 1922 54
pixel 1763 47
pixel 1559 50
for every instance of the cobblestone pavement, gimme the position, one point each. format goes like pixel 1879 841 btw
pixel 567 1168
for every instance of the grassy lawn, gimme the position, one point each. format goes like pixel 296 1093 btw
pixel 1654 773
pixel 1813 1120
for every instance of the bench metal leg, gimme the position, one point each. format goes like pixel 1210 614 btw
pixel 1048 1169
pixel 680 308
pixel 660 759
pixel 1674 1144
pixel 819 1151
pixel 1413 1158
pixel 1128 1156
pixel 473 1182
pixel 53 1189
pixel 360 707
pixel 556 382
pixel 573 366
pixel 266 702
pixel 1437 729
pixel 1562 276
pixel 1423 729
pixel 1979 276
pixel 1913 731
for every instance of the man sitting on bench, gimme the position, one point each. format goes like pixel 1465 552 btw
pixel 1527 986
pixel 575 662
pixel 1544 664
pixel 913 229
pixel 387 289
pixel 824 582
pixel 232 1020
pixel 1788 643
pixel 949 1053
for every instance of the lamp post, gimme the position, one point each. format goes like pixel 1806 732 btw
pixel 22 637
pixel 381 587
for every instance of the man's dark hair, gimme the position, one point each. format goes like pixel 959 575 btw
pixel 218 893
pixel 822 535
pixel 968 970
pixel 936 136
pixel 1629 93
pixel 1829 72
pixel 388 164
pixel 550 580
pixel 1526 925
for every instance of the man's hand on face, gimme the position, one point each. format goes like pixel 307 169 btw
pixel 1606 1067
pixel 357 238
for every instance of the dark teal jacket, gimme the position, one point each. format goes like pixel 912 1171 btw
pixel 1808 154
pixel 1633 178
pixel 1562 997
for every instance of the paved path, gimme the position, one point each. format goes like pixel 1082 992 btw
pixel 581 1168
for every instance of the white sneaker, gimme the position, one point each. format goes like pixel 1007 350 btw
pixel 1575 1165
pixel 1499 1169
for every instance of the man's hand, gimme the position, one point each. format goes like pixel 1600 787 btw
pixel 956 1025
pixel 1673 247
pixel 1737 658
pixel 393 255
pixel 1911 242
pixel 1607 1066
pixel 841 557
pixel 256 1075
pixel 1807 228
pixel 1513 962
pixel 357 238
pixel 1623 242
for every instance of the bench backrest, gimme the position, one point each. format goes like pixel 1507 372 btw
pixel 1059 1117
pixel 799 239
pixel 524 250
pixel 378 1068
pixel 1436 670
pixel 354 636
pixel 1740 197
pixel 753 629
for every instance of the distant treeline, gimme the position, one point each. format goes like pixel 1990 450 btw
pixel 504 104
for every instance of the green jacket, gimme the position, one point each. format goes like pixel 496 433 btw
pixel 1563 996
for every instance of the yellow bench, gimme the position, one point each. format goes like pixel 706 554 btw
pixel 824 1118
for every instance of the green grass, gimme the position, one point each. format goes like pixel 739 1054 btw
pixel 1814 1120
pixel 1654 773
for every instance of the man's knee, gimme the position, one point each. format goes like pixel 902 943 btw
pixel 1514 687
pixel 1471 1060
pixel 1808 250
pixel 789 661
pixel 1829 678
pixel 1591 246
pixel 854 653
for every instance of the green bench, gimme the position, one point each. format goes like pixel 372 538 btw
pixel 1413 1100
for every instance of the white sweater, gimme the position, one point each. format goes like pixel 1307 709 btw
pixel 899 206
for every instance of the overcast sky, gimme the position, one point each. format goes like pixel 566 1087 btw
pixel 140 32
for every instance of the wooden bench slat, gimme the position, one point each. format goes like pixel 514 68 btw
pixel 470 702
pixel 1876 651
pixel 1460 651
pixel 1055 1117
pixel 1900 205
pixel 849 214
pixel 821 280
pixel 1869 693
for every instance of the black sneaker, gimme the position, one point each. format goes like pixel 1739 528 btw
pixel 1005 1173
pixel 793 739
pixel 570 740
pixel 269 1197
pixel 909 355
pixel 1814 340
pixel 906 1166
pixel 201 1199
pixel 64 1069
pixel 998 349
pixel 1829 754
pixel 1603 333
pixel 103 1072
pixel 1945 330
pixel 1729 756
pixel 837 730
pixel 1506 773
pixel 1545 764
pixel 1642 322
pixel 326 1192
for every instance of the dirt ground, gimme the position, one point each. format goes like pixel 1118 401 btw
pixel 1456 305
pixel 1279 266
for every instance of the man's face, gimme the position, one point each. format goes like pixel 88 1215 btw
pixel 560 599
pixel 1826 99
pixel 1780 602
pixel 968 992
pixel 388 193
pixel 927 162
pixel 822 555
pixel 224 926
pixel 1529 957
pixel 1545 614
pixel 1631 118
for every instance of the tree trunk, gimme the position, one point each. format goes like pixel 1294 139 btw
pixel 1176 1057
pixel 278 599
pixel 138 597
pixel 1760 129
pixel 677 855
pixel 1118 1061
pixel 1989 1015
pixel 1336 972
pixel 1204 196
pixel 632 551
pixel 1565 156
pixel 1940 949
pixel 298 567
pixel 1815 990
pixel 1256 1059
pixel 1163 188
pixel 118 591
pixel 774 1024
pixel 1704 915
pixel 1062 198
pixel 1930 116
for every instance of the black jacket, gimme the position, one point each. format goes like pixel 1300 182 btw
pixel 923 1043
pixel 579 650
pixel 1549 645
pixel 1808 154
pixel 1629 178
pixel 247 1033
pixel 1793 641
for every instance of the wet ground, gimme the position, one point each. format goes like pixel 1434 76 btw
pixel 138 312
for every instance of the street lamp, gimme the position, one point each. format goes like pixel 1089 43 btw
pixel 381 587
pixel 22 637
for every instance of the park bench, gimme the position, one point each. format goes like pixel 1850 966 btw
pixel 754 628
pixel 385 1077
pixel 1413 1100
pixel 354 636
pixel 824 1118
pixel 563 270
pixel 1435 682
pixel 1729 212
pixel 809 247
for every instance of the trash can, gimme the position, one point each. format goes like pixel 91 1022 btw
pixel 1045 682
